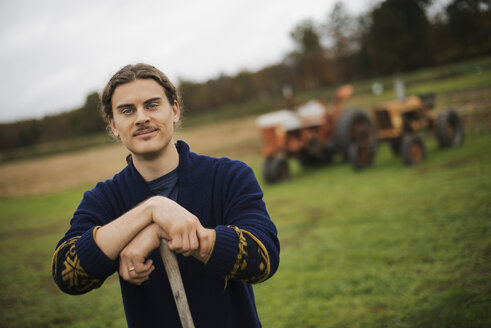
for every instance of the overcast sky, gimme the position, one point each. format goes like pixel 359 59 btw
pixel 54 53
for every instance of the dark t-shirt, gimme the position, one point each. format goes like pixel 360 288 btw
pixel 166 185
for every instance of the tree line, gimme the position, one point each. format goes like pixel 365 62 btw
pixel 393 36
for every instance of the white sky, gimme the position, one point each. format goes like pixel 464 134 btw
pixel 54 53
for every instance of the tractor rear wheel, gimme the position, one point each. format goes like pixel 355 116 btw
pixel 413 149
pixel 354 127
pixel 360 157
pixel 275 170
pixel 449 129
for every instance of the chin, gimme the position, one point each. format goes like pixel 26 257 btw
pixel 149 150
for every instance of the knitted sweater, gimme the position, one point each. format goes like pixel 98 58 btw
pixel 224 195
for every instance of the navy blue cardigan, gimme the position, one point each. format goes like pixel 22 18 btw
pixel 224 195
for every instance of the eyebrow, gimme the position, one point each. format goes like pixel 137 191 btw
pixel 123 106
pixel 152 100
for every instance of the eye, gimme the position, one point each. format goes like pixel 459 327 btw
pixel 127 111
pixel 153 106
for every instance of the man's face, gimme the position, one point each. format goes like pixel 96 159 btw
pixel 143 118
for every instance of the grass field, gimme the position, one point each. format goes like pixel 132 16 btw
pixel 388 247
pixel 392 246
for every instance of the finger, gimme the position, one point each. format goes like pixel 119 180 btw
pixel 143 270
pixel 142 266
pixel 147 271
pixel 149 263
pixel 185 243
pixel 193 245
pixel 175 244
pixel 130 268
pixel 143 274
pixel 194 241
pixel 139 278
pixel 123 270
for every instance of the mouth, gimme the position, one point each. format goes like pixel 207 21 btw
pixel 145 132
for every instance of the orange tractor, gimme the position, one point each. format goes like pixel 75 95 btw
pixel 399 121
pixel 313 133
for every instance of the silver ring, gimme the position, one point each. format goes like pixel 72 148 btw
pixel 131 269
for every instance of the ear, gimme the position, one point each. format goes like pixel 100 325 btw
pixel 176 110
pixel 113 127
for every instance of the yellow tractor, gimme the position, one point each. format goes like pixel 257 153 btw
pixel 397 123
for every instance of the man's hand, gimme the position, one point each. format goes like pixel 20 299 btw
pixel 132 265
pixel 180 225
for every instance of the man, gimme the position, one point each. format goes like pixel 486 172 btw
pixel 209 210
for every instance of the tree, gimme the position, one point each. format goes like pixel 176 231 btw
pixel 469 26
pixel 340 31
pixel 310 58
pixel 397 39
pixel 87 119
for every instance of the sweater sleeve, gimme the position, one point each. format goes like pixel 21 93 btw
pixel 246 246
pixel 78 264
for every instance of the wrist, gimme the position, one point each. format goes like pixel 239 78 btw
pixel 158 231
pixel 209 242
pixel 151 206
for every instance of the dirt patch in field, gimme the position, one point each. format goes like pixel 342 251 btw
pixel 235 139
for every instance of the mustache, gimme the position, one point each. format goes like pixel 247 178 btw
pixel 145 129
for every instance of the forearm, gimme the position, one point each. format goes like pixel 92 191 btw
pixel 114 236
pixel 252 263
pixel 68 273
pixel 243 255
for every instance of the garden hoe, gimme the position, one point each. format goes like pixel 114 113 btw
pixel 175 280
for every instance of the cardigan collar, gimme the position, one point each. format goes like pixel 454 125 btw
pixel 135 189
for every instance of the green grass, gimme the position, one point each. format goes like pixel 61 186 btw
pixel 392 246
pixel 30 228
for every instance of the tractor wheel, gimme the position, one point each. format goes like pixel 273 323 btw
pixel 449 129
pixel 413 149
pixel 275 170
pixel 354 127
pixel 360 157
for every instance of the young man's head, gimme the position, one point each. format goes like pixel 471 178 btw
pixel 130 73
pixel 141 107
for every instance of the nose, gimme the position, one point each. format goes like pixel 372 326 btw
pixel 141 117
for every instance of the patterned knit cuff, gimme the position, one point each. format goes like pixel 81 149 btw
pixel 224 253
pixel 92 259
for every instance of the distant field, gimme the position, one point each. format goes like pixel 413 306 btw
pixel 235 138
pixel 392 246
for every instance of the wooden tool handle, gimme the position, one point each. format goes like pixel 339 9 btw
pixel 175 280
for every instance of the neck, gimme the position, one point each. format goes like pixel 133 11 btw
pixel 153 166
